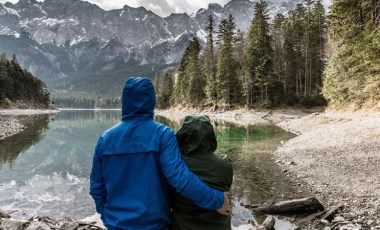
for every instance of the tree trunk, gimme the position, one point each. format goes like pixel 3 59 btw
pixel 305 205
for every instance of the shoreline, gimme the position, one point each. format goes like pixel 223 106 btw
pixel 11 120
pixel 242 116
pixel 335 155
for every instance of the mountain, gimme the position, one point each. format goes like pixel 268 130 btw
pixel 74 41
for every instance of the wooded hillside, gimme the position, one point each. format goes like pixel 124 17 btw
pixel 278 62
pixel 19 87
pixel 353 71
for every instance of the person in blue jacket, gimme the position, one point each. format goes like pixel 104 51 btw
pixel 134 163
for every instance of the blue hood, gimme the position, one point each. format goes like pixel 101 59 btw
pixel 138 98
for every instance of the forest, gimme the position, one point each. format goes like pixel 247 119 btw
pixel 276 62
pixel 84 100
pixel 18 87
pixel 353 70
pixel 304 58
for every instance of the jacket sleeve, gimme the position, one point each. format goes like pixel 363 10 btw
pixel 97 186
pixel 184 181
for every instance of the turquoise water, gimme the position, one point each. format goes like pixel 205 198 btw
pixel 45 169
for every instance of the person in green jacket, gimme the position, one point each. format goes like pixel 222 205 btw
pixel 197 142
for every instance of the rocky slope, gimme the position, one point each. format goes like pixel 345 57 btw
pixel 56 39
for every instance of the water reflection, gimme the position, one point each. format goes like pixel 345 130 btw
pixel 11 147
pixel 257 179
pixel 51 176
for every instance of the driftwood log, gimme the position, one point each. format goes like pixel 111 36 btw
pixel 302 206
pixel 268 224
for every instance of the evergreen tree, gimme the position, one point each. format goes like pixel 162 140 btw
pixel 195 92
pixel 209 67
pixel 228 85
pixel 181 82
pixel 318 45
pixel 353 72
pixel 167 90
pixel 190 83
pixel 278 39
pixel 238 55
pixel 259 59
pixel 17 84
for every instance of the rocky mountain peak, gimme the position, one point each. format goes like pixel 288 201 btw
pixel 74 35
pixel 214 6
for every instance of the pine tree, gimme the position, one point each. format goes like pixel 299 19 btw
pixel 209 67
pixel 259 59
pixel 167 90
pixel 158 88
pixel 195 92
pixel 17 84
pixel 318 46
pixel 278 40
pixel 190 82
pixel 239 46
pixel 228 85
pixel 181 82
pixel 353 72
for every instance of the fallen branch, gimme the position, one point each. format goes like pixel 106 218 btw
pixel 305 205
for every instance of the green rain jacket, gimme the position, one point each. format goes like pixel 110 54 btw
pixel 197 141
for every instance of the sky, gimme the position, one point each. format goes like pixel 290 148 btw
pixel 160 7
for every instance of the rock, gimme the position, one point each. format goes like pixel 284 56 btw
pixel 349 215
pixel 370 222
pixel 38 226
pixel 325 222
pixel 338 219
pixel 9 224
pixel 4 214
pixel 350 227
pixel 69 226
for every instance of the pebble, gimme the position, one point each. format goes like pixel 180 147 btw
pixel 9 126
pixel 325 222
pixel 339 162
pixel 349 215
pixel 38 226
pixel 10 224
pixel 46 223
pixel 350 227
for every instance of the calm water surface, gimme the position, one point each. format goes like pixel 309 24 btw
pixel 45 169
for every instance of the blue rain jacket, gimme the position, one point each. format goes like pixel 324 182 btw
pixel 133 164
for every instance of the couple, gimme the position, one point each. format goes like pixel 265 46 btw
pixel 137 164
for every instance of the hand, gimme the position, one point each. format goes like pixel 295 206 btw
pixel 225 209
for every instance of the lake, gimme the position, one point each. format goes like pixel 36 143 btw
pixel 45 169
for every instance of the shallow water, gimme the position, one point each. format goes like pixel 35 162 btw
pixel 45 169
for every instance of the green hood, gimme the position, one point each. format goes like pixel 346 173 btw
pixel 196 135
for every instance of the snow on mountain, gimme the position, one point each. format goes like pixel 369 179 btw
pixel 78 36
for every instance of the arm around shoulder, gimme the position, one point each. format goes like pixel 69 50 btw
pixel 184 181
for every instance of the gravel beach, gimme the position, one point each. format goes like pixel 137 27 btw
pixel 11 120
pixel 337 156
